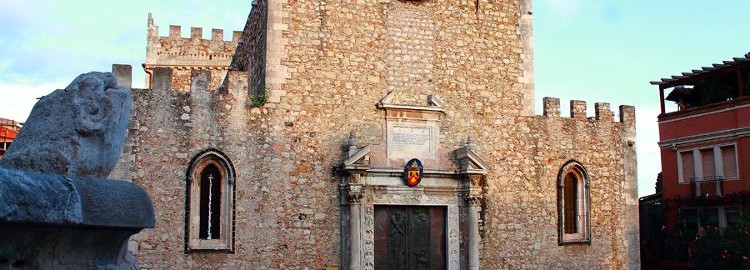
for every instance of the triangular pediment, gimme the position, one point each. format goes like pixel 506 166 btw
pixel 359 159
pixel 434 104
pixel 470 162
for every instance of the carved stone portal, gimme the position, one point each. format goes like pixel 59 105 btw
pixel 456 188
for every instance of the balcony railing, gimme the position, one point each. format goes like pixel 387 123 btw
pixel 708 186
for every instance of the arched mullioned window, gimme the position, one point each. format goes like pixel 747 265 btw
pixel 210 202
pixel 573 204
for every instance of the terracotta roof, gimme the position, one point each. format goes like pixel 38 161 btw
pixel 687 77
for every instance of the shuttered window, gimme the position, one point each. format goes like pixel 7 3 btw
pixel 707 161
pixel 713 163
pixel 688 169
pixel 729 161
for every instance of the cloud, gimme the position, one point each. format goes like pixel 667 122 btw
pixel 648 152
pixel 36 51
pixel 52 40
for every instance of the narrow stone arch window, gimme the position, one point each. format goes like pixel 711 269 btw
pixel 573 204
pixel 210 203
pixel 570 197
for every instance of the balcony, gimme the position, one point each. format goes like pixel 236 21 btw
pixel 709 85
pixel 708 186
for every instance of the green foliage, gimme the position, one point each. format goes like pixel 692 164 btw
pixel 259 99
pixel 714 91
pixel 728 251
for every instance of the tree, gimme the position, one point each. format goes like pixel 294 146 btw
pixel 659 183
pixel 730 250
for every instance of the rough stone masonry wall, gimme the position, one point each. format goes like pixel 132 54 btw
pixel 328 65
pixel 168 129
pixel 520 226
pixel 526 36
pixel 343 57
pixel 251 53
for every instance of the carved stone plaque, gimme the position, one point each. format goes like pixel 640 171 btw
pixel 407 140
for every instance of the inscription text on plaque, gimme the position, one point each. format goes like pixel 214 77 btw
pixel 408 140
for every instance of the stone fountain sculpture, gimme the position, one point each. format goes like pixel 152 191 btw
pixel 57 209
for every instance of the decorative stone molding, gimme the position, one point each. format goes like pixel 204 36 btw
pixel 468 161
pixel 355 193
pixel 412 131
pixel 472 170
pixel 364 188
pixel 358 159
pixel 472 199
pixel 436 104
pixel 472 187
pixel 435 101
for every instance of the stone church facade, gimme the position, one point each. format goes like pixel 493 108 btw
pixel 291 153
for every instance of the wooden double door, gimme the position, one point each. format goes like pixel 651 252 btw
pixel 410 237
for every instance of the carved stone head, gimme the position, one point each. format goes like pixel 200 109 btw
pixel 77 131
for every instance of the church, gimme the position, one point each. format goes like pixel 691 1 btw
pixel 388 134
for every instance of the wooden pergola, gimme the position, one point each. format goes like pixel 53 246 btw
pixel 737 65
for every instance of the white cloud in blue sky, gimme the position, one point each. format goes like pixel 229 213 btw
pixel 594 50
pixel 45 44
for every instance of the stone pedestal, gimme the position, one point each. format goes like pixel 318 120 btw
pixel 57 222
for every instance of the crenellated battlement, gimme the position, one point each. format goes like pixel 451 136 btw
pixel 201 98
pixel 199 80
pixel 174 50
pixel 161 77
pixel 185 54
pixel 578 110
pixel 196 33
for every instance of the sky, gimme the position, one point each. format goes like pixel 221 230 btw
pixel 592 50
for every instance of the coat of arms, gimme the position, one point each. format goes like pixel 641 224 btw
pixel 413 172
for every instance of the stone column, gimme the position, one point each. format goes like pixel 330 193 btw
pixel 472 228
pixel 355 196
pixel 472 195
